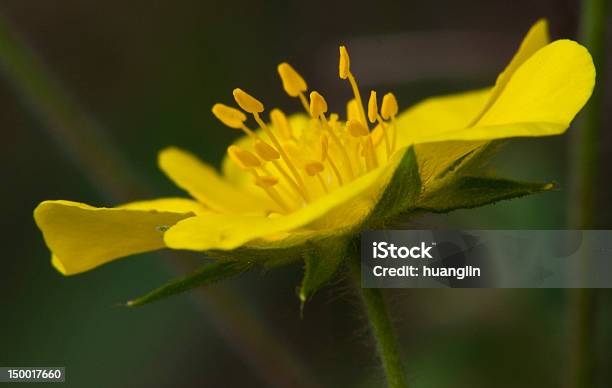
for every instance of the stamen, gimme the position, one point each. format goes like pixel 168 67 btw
pixel 265 151
pixel 267 184
pixel 266 181
pixel 318 107
pixel 315 168
pixel 269 154
pixel 389 106
pixel 389 110
pixel 352 110
pixel 229 116
pixel 247 102
pixel 383 128
pixel 368 154
pixel 243 158
pixel 325 156
pixel 281 124
pixel 250 133
pixel 356 129
pixel 345 72
pixel 293 83
pixel 372 107
pixel 283 154
pixel 249 162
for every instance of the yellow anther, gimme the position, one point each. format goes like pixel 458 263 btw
pixel 293 83
pixel 318 105
pixel 372 107
pixel 352 110
pixel 389 106
pixel 344 67
pixel 266 151
pixel 324 148
pixel 313 167
pixel 243 158
pixel 265 181
pixel 281 124
pixel 247 102
pixel 229 116
pixel 357 129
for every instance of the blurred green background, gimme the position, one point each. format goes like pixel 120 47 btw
pixel 146 74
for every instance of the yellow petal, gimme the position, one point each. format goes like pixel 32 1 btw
pixel 82 237
pixel 204 184
pixel 436 116
pixel 175 205
pixel 541 98
pixel 537 37
pixel 342 209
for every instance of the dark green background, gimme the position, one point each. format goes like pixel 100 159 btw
pixel 147 73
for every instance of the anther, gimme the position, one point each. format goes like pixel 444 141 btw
pixel 264 181
pixel 314 168
pixel 265 151
pixel 229 116
pixel 281 124
pixel 389 110
pixel 344 66
pixel 389 106
pixel 243 158
pixel 356 129
pixel 318 105
pixel 247 102
pixel 372 107
pixel 293 83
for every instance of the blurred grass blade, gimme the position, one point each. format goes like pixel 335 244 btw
pixel 206 275
pixel 72 130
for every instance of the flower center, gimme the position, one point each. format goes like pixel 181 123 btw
pixel 295 166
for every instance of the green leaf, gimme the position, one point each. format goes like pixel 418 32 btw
pixel 322 260
pixel 469 192
pixel 401 193
pixel 208 274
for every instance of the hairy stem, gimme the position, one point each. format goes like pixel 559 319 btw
pixel 381 328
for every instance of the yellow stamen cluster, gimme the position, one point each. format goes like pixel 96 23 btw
pixel 327 150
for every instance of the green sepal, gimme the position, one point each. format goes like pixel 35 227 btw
pixel 206 275
pixel 401 193
pixel 467 192
pixel 322 258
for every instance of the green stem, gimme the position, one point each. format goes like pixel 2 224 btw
pixel 381 328
pixel 583 200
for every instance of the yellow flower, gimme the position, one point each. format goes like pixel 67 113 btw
pixel 299 187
